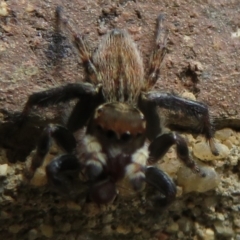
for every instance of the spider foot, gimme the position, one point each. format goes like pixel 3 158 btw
pixel 163 183
pixel 213 147
pixel 159 147
pixel 94 169
pixel 63 174
pixel 61 135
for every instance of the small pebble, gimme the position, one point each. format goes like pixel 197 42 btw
pixel 3 9
pixel 172 227
pixel 209 234
pixel 30 8
pixel 123 229
pixel 223 229
pixel 224 134
pixel 202 151
pixel 236 222
pixel 107 218
pixel 46 230
pixel 3 170
pixel 73 206
pixel 185 224
pixel 15 228
pixel 39 178
pixel 107 229
pixel 32 234
pixel 66 227
pixel 238 237
pixel 188 95
pixel 193 182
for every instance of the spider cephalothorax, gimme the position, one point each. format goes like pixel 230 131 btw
pixel 119 114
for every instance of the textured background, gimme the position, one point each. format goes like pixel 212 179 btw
pixel 203 59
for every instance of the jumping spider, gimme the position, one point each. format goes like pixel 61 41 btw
pixel 120 114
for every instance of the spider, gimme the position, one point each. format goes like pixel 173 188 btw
pixel 118 113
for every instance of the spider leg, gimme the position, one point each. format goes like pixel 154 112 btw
pixel 161 145
pixel 63 138
pixel 151 101
pixel 163 183
pixel 81 46
pixel 62 173
pixel 159 52
pixel 59 94
pixel 86 92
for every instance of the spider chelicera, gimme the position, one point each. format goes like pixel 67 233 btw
pixel 119 114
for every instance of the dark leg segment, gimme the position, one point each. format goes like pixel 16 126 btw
pixel 63 138
pixel 163 183
pixel 161 145
pixel 86 92
pixel 62 173
pixel 189 108
pixel 83 110
pixel 60 94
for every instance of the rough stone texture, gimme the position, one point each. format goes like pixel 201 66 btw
pixel 203 60
pixel 202 151
pixel 195 182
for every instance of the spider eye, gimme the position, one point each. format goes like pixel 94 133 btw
pixel 110 134
pixel 126 136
